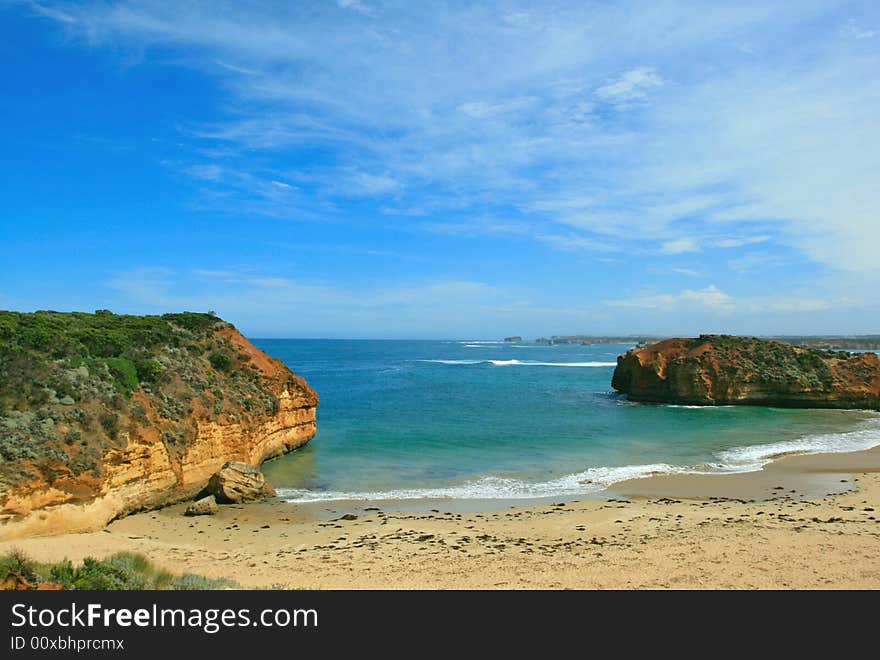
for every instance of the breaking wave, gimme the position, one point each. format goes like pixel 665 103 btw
pixel 523 363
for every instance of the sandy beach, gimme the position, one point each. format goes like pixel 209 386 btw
pixel 803 522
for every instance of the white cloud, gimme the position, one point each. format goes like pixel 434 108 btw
pixel 574 243
pixel 696 244
pixel 373 184
pixel 711 297
pixel 739 242
pixel 356 5
pixel 205 172
pixel 680 246
pixel 714 300
pixel 632 85
pixel 54 14
pixel 484 109
pixel 787 305
pixel 853 29
pixel 754 261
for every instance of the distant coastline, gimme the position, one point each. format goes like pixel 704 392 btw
pixel 826 342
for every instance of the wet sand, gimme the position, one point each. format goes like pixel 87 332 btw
pixel 805 521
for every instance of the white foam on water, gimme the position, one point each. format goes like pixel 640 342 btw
pixel 493 487
pixel 524 363
pixel 533 363
pixel 691 407
pixel 756 456
pixel 454 361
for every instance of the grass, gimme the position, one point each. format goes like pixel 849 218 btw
pixel 119 572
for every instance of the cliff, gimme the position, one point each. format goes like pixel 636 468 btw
pixel 102 414
pixel 720 370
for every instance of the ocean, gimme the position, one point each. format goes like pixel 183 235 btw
pixel 487 420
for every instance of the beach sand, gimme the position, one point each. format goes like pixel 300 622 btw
pixel 803 522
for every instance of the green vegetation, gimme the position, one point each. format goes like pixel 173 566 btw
pixel 122 571
pixel 101 335
pixel 221 361
pixel 773 361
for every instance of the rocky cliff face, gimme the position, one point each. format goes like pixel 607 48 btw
pixel 720 370
pixel 102 415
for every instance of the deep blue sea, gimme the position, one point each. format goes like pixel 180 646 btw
pixel 486 420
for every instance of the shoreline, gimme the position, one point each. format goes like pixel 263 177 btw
pixel 629 477
pixel 802 521
pixel 810 475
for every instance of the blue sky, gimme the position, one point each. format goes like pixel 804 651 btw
pixel 358 168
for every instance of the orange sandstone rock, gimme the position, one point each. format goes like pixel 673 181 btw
pixel 724 370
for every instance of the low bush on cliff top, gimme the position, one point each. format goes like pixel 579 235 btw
pixel 101 335
pixel 119 572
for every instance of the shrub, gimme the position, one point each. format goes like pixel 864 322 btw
pixel 123 570
pixel 19 563
pixel 147 370
pixel 98 575
pixel 221 361
pixel 192 582
pixel 110 424
pixel 63 574
pixel 124 374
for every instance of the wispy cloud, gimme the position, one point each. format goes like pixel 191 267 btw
pixel 855 30
pixel 739 242
pixel 680 246
pixel 714 300
pixel 698 243
pixel 50 12
pixel 711 296
pixel 427 308
pixel 632 85
pixel 690 272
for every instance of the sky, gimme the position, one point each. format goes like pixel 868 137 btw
pixel 373 169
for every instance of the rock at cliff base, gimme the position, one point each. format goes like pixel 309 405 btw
pixel 238 482
pixel 206 506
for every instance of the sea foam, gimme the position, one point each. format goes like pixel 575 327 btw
pixel 523 363
pixel 490 487
pixel 756 456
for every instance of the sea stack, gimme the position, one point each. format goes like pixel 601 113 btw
pixel 104 414
pixel 725 370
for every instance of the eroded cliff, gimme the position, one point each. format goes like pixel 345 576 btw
pixel 721 370
pixel 102 414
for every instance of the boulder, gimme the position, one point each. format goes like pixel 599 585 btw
pixel 239 482
pixel 205 506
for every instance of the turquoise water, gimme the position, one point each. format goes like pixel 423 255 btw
pixel 481 420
